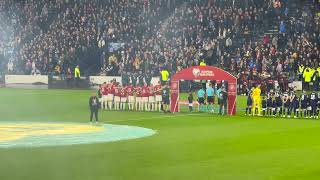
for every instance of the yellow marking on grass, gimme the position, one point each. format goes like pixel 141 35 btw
pixel 11 132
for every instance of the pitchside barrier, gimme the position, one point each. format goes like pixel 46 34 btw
pixel 56 82
pixel 297 85
pixel 26 81
pixel 204 73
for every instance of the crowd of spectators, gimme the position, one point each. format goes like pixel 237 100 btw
pixel 255 40
pixel 48 33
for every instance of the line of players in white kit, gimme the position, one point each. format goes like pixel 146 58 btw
pixel 139 98
pixel 288 103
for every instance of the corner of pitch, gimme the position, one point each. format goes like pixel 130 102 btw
pixel 24 134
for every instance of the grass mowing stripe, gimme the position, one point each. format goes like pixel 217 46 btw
pixel 154 117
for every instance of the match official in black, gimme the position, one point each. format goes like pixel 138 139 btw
pixel 223 102
pixel 94 105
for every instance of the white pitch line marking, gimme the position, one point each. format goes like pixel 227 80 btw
pixel 153 117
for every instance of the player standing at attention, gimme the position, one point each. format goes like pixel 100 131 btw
pixel 152 100
pixel 190 101
pixel 123 98
pixel 129 90
pixel 210 98
pixel 256 97
pixel 318 110
pixel 291 97
pixel 313 104
pixel 145 96
pixel 165 98
pixel 111 89
pixel 269 104
pixel 274 104
pixel 104 95
pixel 264 105
pixel 117 97
pixel 309 108
pixel 304 103
pixel 138 106
pixel 157 90
pixel 201 94
pixel 286 104
pixel 249 103
pixel 295 105
pixel 278 103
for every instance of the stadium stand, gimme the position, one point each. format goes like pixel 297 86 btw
pixel 255 40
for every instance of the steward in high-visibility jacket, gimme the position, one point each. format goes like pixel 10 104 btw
pixel 307 74
pixel 77 72
pixel 202 63
pixel 77 75
pixel 301 70
pixel 307 77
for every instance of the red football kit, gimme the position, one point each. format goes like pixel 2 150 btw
pixel 116 91
pixel 157 89
pixel 111 89
pixel 123 92
pixel 151 91
pixel 129 90
pixel 145 91
pixel 138 91
pixel 104 90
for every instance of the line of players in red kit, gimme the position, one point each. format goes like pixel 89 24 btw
pixel 113 96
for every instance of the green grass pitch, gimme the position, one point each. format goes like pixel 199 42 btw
pixel 186 147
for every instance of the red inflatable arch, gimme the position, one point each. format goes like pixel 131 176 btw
pixel 204 73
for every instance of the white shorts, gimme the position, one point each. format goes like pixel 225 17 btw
pixel 138 99
pixel 110 97
pixel 145 99
pixel 309 108
pixel 117 99
pixel 263 109
pixel 130 99
pixel 151 99
pixel 273 109
pixel 190 104
pixel 124 99
pixel 104 98
pixel 158 98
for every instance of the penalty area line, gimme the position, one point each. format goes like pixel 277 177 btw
pixel 153 117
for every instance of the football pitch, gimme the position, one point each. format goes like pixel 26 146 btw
pixel 185 146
